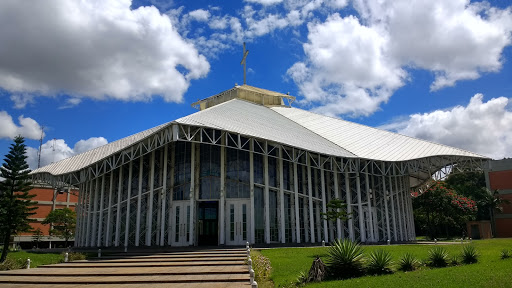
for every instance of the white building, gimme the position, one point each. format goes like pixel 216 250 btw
pixel 248 167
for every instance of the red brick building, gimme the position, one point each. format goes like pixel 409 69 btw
pixel 499 178
pixel 48 199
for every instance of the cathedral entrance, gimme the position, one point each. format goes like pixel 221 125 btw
pixel 208 223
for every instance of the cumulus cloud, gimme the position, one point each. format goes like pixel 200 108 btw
pixel 481 127
pixel 265 2
pixel 28 127
pixel 200 15
pixel 96 49
pixel 348 73
pixel 57 149
pixel 352 65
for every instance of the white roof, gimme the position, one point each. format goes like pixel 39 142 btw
pixel 289 126
pixel 368 142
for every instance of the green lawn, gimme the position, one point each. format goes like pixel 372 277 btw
pixel 490 271
pixel 36 259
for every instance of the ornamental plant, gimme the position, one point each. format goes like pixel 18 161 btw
pixel 379 262
pixel 469 254
pixel 437 257
pixel 345 259
pixel 440 210
pixel 408 262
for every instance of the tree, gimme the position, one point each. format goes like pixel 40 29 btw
pixel 37 236
pixel 439 209
pixel 335 209
pixel 62 223
pixel 15 203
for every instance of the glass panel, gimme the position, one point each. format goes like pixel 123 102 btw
pixel 258 168
pixel 259 211
pixel 188 223
pixel 182 170
pixel 209 184
pixel 274 231
pixel 244 222
pixel 232 222
pixel 177 225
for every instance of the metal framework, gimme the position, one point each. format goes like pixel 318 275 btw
pixel 127 198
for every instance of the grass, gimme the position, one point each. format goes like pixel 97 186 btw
pixel 490 271
pixel 36 259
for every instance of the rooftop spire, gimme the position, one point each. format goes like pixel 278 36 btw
pixel 243 62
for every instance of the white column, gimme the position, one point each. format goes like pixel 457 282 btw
pixel 149 210
pixel 404 211
pixel 385 198
pixel 139 202
pixel 337 196
pixel 310 200
pixel 296 198
pixel 370 211
pixel 324 204
pixel 281 195
pixel 192 191
pixel 171 191
pixel 119 198
pixel 267 210
pixel 222 212
pixel 128 200
pixel 399 209
pixel 393 217
pixel 79 218
pixel 95 215
pixel 362 231
pixel 251 183
pixel 349 207
pixel 109 211
pixel 90 216
pixel 100 221
pixel 164 196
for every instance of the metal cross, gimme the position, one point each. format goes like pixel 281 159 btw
pixel 243 61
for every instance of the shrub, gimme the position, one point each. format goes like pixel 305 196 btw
pixel 469 254
pixel 302 279
pixel 13 264
pixel 505 254
pixel 262 268
pixel 454 261
pixel 437 257
pixel 379 262
pixel 408 262
pixel 74 256
pixel 345 259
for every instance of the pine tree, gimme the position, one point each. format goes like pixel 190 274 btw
pixel 15 203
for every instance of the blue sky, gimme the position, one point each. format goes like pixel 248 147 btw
pixel 92 72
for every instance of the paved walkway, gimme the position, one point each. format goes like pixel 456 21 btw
pixel 211 268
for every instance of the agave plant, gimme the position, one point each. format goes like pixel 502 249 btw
pixel 408 262
pixel 454 261
pixel 345 259
pixel 505 254
pixel 379 262
pixel 469 254
pixel 438 257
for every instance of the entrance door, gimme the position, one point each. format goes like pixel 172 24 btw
pixel 180 224
pixel 237 228
pixel 208 223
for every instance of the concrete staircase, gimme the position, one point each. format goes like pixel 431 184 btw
pixel 202 268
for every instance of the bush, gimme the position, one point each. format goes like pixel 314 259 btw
pixel 454 261
pixel 437 257
pixel 13 264
pixel 262 268
pixel 345 259
pixel 469 254
pixel 74 256
pixel 505 254
pixel 379 262
pixel 408 262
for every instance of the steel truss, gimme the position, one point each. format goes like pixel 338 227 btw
pixel 125 199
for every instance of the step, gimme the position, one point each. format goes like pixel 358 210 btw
pixel 71 272
pixel 161 260
pixel 101 279
pixel 144 264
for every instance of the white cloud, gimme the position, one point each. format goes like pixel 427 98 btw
pixel 96 49
pixel 265 2
pixel 27 127
pixel 481 127
pixel 353 65
pixel 200 15
pixel 57 149
pixel 22 100
pixel 457 40
pixel 347 71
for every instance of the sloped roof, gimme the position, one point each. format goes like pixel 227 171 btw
pixel 368 142
pixel 289 126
